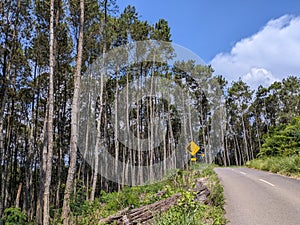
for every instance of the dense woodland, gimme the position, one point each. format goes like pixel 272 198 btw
pixel 45 48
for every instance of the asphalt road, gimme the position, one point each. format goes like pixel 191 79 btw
pixel 255 197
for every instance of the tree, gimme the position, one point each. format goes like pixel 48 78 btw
pixel 282 140
pixel 74 122
pixel 238 104
pixel 48 151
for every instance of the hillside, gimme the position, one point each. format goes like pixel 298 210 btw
pixel 191 196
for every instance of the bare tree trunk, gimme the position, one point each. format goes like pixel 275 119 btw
pixel 237 161
pixel 185 125
pixel 43 158
pixel 2 157
pixel 203 133
pixel 251 155
pixel 164 168
pixel 28 193
pixel 18 195
pixel 6 69
pixel 239 151
pixel 151 124
pixel 96 165
pixel 116 125
pixel 223 146
pixel 81 170
pixel 257 130
pixel 190 122
pixel 226 150
pixel 222 125
pixel 32 123
pixel 59 172
pixel 46 196
pixel 74 123
pixel 149 160
pixel 171 140
pixel 209 150
pixel 245 139
pixel 138 129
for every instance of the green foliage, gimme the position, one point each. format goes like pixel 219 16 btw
pixel 199 215
pixel 187 211
pixel 216 191
pixel 207 172
pixel 283 140
pixel 286 165
pixel 78 203
pixel 14 216
pixel 190 211
pixel 119 200
pixel 91 213
pixel 134 197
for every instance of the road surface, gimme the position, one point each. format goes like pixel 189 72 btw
pixel 255 197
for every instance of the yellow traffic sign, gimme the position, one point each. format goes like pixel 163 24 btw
pixel 193 148
pixel 193 159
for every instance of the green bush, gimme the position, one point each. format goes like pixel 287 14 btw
pixel 282 140
pixel 119 200
pixel 199 214
pixel 189 211
pixel 14 216
pixel 286 165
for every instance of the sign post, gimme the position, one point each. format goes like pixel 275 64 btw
pixel 192 148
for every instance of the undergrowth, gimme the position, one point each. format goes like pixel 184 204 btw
pixel 285 165
pixel 187 211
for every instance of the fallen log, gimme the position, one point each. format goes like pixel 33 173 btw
pixel 145 214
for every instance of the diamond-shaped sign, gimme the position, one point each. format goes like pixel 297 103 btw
pixel 193 148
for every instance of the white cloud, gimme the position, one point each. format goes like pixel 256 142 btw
pixel 259 76
pixel 269 55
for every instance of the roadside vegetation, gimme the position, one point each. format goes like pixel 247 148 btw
pixel 187 211
pixel 52 122
pixel 285 165
pixel 280 152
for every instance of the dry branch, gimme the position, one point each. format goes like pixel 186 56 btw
pixel 145 214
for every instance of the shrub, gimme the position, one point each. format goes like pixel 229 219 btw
pixel 286 165
pixel 14 216
pixel 190 212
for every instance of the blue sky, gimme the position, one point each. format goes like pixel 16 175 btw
pixel 219 31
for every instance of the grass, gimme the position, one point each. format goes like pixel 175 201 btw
pixel 285 165
pixel 195 213
pixel 188 211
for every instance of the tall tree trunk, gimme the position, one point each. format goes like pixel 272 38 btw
pixel 74 122
pixel 139 128
pixel 164 168
pixel 92 197
pixel 245 139
pixel 202 123
pixel 257 129
pixel 236 151
pixel 43 158
pixel 18 195
pixel 9 55
pixel 46 196
pixel 151 124
pixel 251 154
pixel 171 140
pixel 116 126
pixel 227 150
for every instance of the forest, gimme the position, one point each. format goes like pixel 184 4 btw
pixel 47 47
